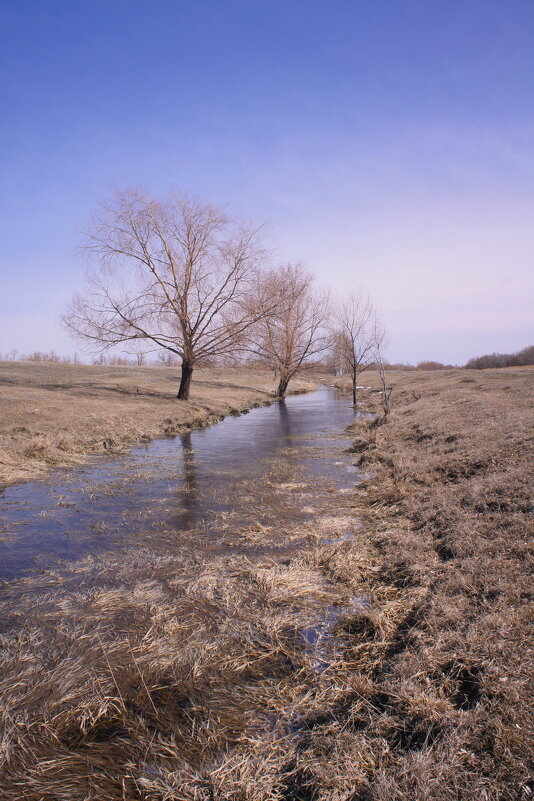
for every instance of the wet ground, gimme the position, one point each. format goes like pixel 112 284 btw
pixel 198 491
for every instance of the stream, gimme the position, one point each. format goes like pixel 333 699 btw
pixel 162 493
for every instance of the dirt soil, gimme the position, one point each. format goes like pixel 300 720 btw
pixel 386 657
pixel 57 415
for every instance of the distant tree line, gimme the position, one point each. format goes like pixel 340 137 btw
pixel 328 364
pixel 38 356
pixel 51 357
pixel 523 358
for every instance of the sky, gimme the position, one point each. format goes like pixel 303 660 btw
pixel 389 145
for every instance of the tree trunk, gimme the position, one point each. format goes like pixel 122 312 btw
pixel 185 381
pixel 354 387
pixel 282 386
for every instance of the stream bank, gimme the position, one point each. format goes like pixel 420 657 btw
pixel 193 674
pixel 62 415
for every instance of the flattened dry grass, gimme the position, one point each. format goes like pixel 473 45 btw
pixel 168 681
pixel 181 679
pixel 58 414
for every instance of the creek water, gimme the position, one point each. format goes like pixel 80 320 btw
pixel 158 492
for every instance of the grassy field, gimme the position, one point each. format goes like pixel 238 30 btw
pixel 56 414
pixel 180 679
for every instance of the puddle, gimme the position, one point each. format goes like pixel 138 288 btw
pixel 345 537
pixel 320 640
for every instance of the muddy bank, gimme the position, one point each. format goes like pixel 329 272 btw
pixel 55 415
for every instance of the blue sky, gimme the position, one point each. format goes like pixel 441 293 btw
pixel 389 145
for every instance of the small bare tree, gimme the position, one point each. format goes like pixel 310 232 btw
pixel 292 332
pixel 386 389
pixel 138 350
pixel 170 274
pixel 167 359
pixel 9 357
pixel 356 336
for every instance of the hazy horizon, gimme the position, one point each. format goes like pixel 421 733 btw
pixel 389 147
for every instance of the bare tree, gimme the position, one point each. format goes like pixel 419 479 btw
pixel 357 336
pixel 40 356
pixel 386 389
pixel 167 359
pixel 292 332
pixel 138 350
pixel 172 274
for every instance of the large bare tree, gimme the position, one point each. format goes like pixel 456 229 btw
pixel 293 330
pixel 357 336
pixel 171 274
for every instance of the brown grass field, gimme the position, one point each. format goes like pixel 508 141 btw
pixel 176 678
pixel 58 414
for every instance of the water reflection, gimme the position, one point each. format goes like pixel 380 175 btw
pixel 111 501
pixel 188 513
pixel 285 420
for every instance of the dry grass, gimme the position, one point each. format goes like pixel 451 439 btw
pixel 55 414
pixel 183 679
pixel 450 510
pixel 169 680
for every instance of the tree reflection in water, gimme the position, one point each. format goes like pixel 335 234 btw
pixel 188 491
